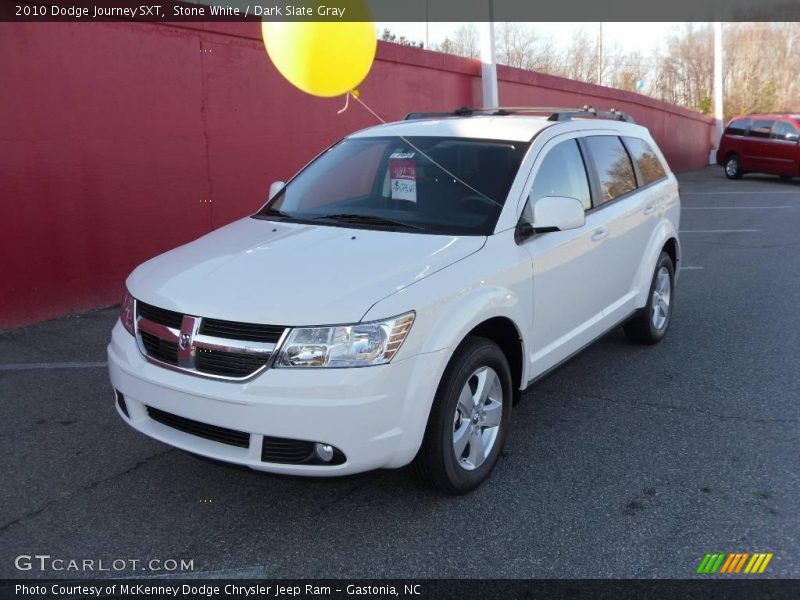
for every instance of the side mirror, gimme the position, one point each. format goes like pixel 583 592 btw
pixel 275 188
pixel 557 213
pixel 792 137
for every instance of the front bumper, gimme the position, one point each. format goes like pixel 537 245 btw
pixel 375 415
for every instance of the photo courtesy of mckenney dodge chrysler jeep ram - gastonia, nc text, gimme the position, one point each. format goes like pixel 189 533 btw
pixel 389 303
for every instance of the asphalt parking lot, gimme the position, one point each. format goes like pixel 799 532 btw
pixel 628 462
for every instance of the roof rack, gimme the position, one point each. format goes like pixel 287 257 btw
pixel 555 113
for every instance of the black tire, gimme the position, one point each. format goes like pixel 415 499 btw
pixel 733 167
pixel 436 463
pixel 641 328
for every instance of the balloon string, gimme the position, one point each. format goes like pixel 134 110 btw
pixel 423 153
pixel 346 103
pixel 361 102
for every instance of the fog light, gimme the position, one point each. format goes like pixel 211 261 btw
pixel 324 452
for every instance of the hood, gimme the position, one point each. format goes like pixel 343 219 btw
pixel 278 273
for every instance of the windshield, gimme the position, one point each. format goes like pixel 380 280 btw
pixel 452 186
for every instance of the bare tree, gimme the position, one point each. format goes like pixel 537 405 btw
pixel 762 67
pixel 580 60
pixel 686 72
pixel 520 46
pixel 389 36
pixel 465 42
pixel 623 70
pixel 762 63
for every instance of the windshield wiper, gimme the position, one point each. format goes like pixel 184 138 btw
pixel 274 212
pixel 367 219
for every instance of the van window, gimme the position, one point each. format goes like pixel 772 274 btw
pixel 761 128
pixel 784 131
pixel 650 167
pixel 738 127
pixel 614 168
pixel 562 173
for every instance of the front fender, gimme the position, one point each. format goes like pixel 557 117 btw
pixel 494 282
pixel 441 323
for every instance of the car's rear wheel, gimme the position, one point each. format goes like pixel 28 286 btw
pixel 649 325
pixel 733 167
pixel 469 419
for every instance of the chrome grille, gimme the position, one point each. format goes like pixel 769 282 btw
pixel 241 331
pixel 239 364
pixel 160 349
pixel 206 347
pixel 160 315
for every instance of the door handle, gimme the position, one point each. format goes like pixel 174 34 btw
pixel 649 210
pixel 599 234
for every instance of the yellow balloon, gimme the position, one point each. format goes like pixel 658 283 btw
pixel 323 59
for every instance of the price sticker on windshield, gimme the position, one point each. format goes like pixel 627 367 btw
pixel 403 176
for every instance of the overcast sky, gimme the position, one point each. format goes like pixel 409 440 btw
pixel 642 37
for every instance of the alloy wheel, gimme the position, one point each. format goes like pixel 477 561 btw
pixel 477 418
pixel 662 293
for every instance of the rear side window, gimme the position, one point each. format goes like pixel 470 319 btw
pixel 761 128
pixel 784 131
pixel 738 127
pixel 562 174
pixel 614 168
pixel 650 167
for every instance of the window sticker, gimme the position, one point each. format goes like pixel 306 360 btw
pixel 403 176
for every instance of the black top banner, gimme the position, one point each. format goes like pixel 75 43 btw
pixel 403 10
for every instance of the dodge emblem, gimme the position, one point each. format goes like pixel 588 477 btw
pixel 185 339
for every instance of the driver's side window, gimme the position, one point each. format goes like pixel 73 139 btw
pixel 562 173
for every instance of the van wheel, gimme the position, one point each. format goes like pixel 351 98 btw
pixel 649 324
pixel 469 419
pixel 733 167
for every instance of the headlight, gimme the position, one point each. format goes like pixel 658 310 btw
pixel 127 313
pixel 357 345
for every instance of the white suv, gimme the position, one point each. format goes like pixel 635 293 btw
pixel 390 303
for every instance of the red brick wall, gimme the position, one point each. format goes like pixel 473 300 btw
pixel 121 140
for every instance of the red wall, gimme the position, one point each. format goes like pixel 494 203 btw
pixel 121 140
pixel 684 136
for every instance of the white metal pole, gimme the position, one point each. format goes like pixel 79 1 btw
pixel 489 61
pixel 600 56
pixel 719 113
pixel 427 25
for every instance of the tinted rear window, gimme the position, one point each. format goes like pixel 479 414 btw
pixel 784 130
pixel 646 159
pixel 613 164
pixel 761 128
pixel 738 127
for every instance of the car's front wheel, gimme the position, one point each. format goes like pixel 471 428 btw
pixel 469 419
pixel 733 167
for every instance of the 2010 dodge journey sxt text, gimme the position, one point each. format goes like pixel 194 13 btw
pixel 390 303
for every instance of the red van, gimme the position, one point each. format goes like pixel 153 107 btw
pixel 761 144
